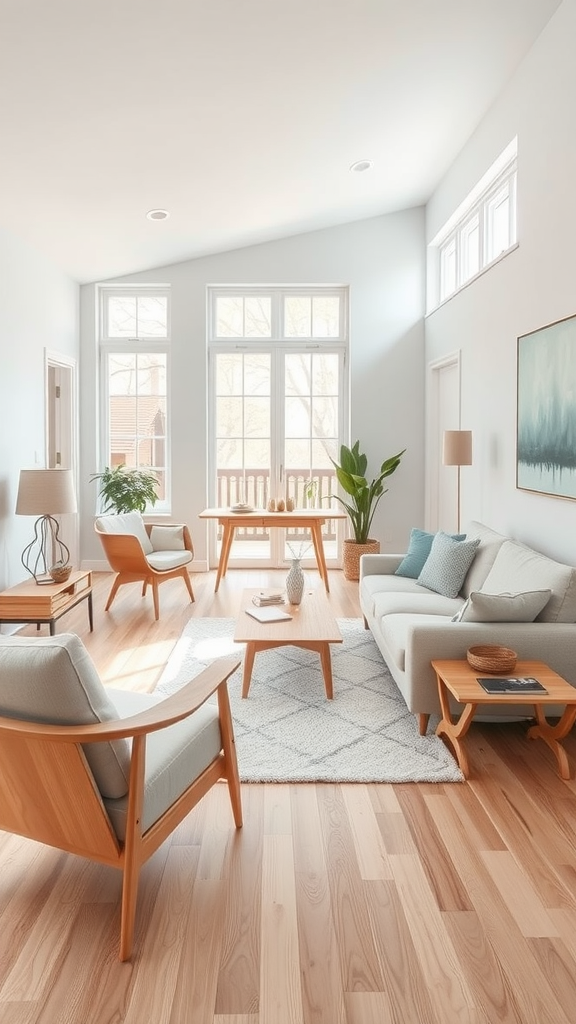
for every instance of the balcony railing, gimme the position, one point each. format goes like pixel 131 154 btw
pixel 253 487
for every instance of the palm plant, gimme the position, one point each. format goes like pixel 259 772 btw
pixel 364 496
pixel 126 490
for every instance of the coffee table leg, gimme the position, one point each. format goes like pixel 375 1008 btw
pixel 248 664
pixel 453 732
pixel 552 734
pixel 326 662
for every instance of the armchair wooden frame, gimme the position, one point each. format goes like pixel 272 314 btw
pixel 49 793
pixel 126 557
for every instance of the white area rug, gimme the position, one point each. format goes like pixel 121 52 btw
pixel 287 731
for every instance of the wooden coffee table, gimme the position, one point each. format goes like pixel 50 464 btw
pixel 459 679
pixel 312 627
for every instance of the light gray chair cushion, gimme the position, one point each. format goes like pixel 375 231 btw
pixel 53 679
pixel 167 538
pixel 174 756
pixel 126 523
pixel 164 560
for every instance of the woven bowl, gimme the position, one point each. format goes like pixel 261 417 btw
pixel 490 658
pixel 60 573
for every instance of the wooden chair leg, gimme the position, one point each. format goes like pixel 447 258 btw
pixel 156 599
pixel 188 582
pixel 130 879
pixel 423 723
pixel 144 587
pixel 229 748
pixel 117 583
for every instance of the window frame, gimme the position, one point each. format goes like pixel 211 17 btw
pixel 479 205
pixel 141 346
pixel 277 294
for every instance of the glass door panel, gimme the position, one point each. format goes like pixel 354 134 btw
pixel 243 444
pixel 311 433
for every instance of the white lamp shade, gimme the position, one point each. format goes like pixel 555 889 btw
pixel 457 449
pixel 45 492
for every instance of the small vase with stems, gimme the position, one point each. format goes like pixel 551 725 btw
pixel 295 577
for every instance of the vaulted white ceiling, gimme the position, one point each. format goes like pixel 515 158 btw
pixel 240 117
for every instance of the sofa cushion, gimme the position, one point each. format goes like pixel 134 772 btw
pixel 518 569
pixel 425 602
pixel 129 523
pixel 175 756
pixel 386 583
pixel 447 564
pixel 490 544
pixel 481 607
pixel 395 632
pixel 167 538
pixel 53 680
pixel 418 550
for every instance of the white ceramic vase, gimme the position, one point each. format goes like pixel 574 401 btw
pixel 295 583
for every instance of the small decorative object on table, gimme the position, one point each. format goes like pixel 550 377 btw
pixel 60 572
pixel 491 658
pixel 295 578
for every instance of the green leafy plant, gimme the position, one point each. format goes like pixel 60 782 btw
pixel 126 490
pixel 364 496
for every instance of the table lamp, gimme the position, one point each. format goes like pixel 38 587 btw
pixel 45 493
pixel 457 451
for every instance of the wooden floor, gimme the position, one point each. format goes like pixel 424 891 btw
pixel 364 904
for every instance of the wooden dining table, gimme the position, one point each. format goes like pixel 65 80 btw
pixel 312 519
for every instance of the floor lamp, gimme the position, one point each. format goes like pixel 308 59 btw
pixel 457 451
pixel 45 493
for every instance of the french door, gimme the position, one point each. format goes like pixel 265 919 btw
pixel 276 413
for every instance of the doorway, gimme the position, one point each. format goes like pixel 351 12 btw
pixel 61 434
pixel 443 414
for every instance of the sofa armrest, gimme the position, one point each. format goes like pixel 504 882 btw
pixel 379 565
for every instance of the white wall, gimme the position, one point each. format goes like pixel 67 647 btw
pixel 533 286
pixel 38 310
pixel 382 260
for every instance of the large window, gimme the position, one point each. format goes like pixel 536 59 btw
pixel 277 405
pixel 480 231
pixel 134 358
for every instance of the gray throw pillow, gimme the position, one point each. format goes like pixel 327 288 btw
pixel 447 564
pixel 503 607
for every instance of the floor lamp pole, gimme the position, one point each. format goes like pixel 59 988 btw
pixel 457 451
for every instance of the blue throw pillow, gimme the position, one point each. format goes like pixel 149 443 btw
pixel 447 564
pixel 418 551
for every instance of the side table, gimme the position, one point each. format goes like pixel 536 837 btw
pixel 29 602
pixel 460 679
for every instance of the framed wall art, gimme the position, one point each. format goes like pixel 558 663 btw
pixel 546 411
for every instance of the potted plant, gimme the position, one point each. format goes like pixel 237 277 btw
pixel 126 490
pixel 364 499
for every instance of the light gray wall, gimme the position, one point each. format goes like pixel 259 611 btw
pixel 38 311
pixel 531 287
pixel 382 261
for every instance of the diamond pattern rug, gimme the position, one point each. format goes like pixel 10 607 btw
pixel 287 731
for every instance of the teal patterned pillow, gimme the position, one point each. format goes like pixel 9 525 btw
pixel 418 551
pixel 447 564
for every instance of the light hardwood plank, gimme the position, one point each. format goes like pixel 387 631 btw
pixel 520 897
pixel 369 845
pixel 280 983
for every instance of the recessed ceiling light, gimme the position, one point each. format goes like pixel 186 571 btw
pixel 361 165
pixel 157 214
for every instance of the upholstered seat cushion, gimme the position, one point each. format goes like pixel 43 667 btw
pixel 164 560
pixel 175 756
pixel 126 523
pixel 53 679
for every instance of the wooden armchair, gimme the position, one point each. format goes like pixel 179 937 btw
pixel 80 787
pixel 145 552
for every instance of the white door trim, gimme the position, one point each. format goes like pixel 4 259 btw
pixel 67 432
pixel 433 440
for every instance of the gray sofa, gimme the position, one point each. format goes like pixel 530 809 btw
pixel 413 625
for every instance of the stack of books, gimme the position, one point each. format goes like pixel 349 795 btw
pixel 266 597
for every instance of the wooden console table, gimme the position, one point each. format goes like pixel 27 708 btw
pixel 29 602
pixel 311 519
pixel 460 679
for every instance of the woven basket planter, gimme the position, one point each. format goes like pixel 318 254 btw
pixel 352 552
